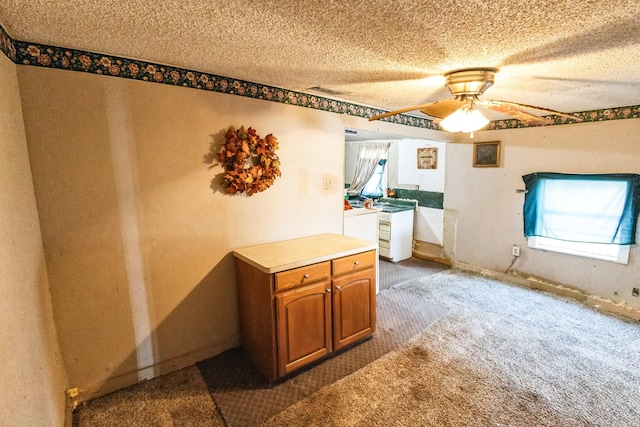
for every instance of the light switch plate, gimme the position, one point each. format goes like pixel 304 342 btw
pixel 327 183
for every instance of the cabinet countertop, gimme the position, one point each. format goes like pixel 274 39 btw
pixel 288 254
pixel 359 211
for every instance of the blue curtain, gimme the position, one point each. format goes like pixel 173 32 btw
pixel 582 208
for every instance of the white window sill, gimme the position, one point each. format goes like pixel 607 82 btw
pixel 613 253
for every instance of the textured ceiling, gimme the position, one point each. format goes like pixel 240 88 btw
pixel 566 55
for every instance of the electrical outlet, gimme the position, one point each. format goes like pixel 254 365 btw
pixel 515 250
pixel 635 292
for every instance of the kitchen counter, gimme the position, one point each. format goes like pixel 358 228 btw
pixel 359 211
pixel 387 204
pixel 288 254
pixel 361 223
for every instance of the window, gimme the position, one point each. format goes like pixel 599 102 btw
pixel 586 215
pixel 367 163
pixel 374 187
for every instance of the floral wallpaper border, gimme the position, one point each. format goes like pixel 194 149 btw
pixel 69 59
pixel 618 113
pixel 7 45
pixel 109 65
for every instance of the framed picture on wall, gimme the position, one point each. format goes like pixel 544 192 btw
pixel 486 154
pixel 428 158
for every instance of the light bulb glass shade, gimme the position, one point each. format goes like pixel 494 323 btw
pixel 464 119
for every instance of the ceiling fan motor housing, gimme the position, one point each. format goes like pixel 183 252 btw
pixel 466 85
pixel 470 81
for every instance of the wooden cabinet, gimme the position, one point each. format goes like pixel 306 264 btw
pixel 292 317
pixel 303 326
pixel 354 308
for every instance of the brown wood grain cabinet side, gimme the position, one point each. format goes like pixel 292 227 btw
pixel 257 317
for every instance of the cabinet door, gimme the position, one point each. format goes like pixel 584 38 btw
pixel 303 325
pixel 354 307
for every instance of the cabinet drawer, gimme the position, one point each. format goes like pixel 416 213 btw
pixel 384 230
pixel 385 252
pixel 384 243
pixel 302 275
pixel 354 262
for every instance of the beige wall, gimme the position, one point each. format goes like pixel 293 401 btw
pixel 137 244
pixel 483 212
pixel 33 378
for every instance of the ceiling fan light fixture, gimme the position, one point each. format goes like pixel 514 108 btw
pixel 459 114
pixel 465 119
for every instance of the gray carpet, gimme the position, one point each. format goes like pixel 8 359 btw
pixel 396 273
pixel 501 356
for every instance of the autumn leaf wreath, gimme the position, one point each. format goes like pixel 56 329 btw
pixel 249 161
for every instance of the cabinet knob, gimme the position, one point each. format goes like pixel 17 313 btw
pixel 357 263
pixel 337 288
pixel 306 276
pixel 328 290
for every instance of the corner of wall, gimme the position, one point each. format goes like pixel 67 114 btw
pixel 7 45
pixel 35 366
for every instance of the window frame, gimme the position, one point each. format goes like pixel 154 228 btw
pixel 534 214
pixel 610 252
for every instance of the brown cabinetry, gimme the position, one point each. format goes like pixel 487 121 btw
pixel 303 318
pixel 354 308
pixel 293 317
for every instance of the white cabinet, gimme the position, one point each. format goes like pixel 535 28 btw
pixel 395 235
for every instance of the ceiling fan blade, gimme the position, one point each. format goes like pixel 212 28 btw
pixel 402 110
pixel 515 109
pixel 442 109
pixel 516 113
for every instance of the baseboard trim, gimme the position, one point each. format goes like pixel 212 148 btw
pixel 69 407
pixel 539 284
pixel 77 395
pixel 432 258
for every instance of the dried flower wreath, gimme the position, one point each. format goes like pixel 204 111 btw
pixel 250 162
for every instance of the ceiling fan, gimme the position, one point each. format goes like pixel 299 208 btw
pixel 460 113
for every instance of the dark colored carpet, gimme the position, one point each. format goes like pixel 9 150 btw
pixel 392 274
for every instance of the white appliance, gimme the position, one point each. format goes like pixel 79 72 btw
pixel 396 235
pixel 361 223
